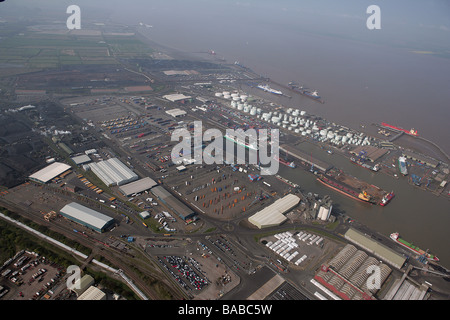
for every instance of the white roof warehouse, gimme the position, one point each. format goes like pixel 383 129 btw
pixel 113 172
pixel 273 215
pixel 87 217
pixel 49 172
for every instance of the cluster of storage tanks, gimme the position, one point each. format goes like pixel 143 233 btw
pixel 236 97
pixel 298 122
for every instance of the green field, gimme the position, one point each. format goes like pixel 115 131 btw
pixel 36 50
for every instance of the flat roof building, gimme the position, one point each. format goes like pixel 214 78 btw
pixel 374 247
pixel 421 158
pixel 371 153
pixel 178 207
pixel 81 159
pixel 273 215
pixel 92 293
pixel 113 172
pixel 176 112
pixel 176 97
pixel 87 217
pixel 49 172
pixel 137 186
pixel 307 158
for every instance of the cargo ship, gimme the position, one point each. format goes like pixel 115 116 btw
pixel 402 166
pixel 374 168
pixel 346 190
pixel 313 95
pixel 411 132
pixel 242 142
pixel 266 88
pixel 388 197
pixel 396 237
pixel 286 163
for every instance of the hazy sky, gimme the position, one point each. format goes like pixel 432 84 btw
pixel 414 22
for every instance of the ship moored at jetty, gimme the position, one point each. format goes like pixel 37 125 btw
pixel 290 164
pixel 344 189
pixel 396 237
pixel 374 168
pixel 402 166
pixel 266 88
pixel 305 92
pixel 411 132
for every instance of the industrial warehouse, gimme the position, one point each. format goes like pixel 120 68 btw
pixel 375 248
pixel 346 274
pixel 137 186
pixel 113 172
pixel 273 215
pixel 49 172
pixel 86 217
pixel 173 203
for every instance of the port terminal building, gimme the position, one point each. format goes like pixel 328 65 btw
pixel 306 158
pixel 87 217
pixel 273 215
pixel 374 247
pixel 370 153
pixel 421 158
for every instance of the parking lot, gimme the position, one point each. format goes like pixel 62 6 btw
pixel 298 250
pixel 197 269
pixel 29 276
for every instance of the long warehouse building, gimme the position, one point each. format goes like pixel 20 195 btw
pixel 273 215
pixel 137 186
pixel 87 217
pixel 49 172
pixel 113 172
pixel 183 211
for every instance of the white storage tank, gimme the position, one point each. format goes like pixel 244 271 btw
pixel 218 94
